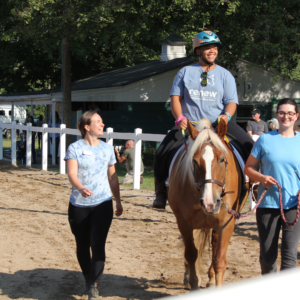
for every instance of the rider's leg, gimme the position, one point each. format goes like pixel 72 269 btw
pixel 241 137
pixel 161 165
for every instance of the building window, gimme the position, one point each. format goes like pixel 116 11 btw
pixel 2 112
pixel 9 112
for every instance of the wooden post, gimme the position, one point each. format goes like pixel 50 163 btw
pixel 45 148
pixel 62 154
pixel 109 140
pixel 28 145
pixel 13 153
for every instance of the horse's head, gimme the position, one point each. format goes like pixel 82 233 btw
pixel 209 164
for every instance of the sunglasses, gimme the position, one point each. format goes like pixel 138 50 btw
pixel 204 79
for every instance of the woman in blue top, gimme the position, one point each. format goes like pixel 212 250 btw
pixel 202 90
pixel 278 153
pixel 92 174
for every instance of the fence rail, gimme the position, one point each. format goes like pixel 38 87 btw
pixel 109 135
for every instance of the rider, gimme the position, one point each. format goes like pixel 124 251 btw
pixel 202 90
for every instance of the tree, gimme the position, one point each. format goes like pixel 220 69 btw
pixel 109 34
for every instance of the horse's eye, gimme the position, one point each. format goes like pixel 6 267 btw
pixel 222 160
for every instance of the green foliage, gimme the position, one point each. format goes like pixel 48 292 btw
pixel 148 154
pixel 38 110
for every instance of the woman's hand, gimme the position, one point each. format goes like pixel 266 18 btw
pixel 85 192
pixel 268 181
pixel 182 124
pixel 119 209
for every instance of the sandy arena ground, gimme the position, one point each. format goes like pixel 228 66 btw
pixel 144 257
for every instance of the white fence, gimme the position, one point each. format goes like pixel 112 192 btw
pixel 109 135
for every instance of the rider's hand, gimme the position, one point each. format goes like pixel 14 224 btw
pixel 182 124
pixel 85 192
pixel 224 117
pixel 267 181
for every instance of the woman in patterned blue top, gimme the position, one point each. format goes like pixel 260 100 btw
pixel 92 174
pixel 278 153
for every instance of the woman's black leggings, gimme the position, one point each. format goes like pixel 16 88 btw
pixel 174 138
pixel 269 224
pixel 90 227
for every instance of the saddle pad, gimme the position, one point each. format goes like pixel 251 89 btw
pixel 241 161
pixel 236 153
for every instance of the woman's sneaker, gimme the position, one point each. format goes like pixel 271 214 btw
pixel 93 292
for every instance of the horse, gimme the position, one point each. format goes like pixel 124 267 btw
pixel 203 182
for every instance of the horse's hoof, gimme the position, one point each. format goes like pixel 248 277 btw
pixel 210 285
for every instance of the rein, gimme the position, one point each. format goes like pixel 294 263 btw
pixel 238 215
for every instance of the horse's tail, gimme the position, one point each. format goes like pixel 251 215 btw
pixel 202 238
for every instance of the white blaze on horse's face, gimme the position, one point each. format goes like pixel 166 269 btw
pixel 208 200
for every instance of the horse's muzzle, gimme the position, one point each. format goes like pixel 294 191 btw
pixel 211 209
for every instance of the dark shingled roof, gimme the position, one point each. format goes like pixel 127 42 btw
pixel 174 39
pixel 120 77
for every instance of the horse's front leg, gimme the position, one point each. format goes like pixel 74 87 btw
pixel 190 252
pixel 211 271
pixel 219 259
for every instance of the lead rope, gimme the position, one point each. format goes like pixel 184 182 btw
pixel 238 215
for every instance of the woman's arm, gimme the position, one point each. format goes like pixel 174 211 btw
pixel 251 167
pixel 177 111
pixel 114 186
pixel 72 169
pixel 229 108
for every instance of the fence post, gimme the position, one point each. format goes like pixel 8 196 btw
pixel 44 148
pixel 53 135
pixel 62 154
pixel 1 140
pixel 137 159
pixel 109 140
pixel 13 153
pixel 28 146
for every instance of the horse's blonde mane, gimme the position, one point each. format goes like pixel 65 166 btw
pixel 206 135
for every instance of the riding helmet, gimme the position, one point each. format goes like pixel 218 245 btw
pixel 205 37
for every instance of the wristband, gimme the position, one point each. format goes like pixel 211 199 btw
pixel 179 119
pixel 228 115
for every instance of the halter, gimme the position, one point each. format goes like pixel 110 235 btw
pixel 219 183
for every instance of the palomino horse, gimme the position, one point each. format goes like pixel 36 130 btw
pixel 201 182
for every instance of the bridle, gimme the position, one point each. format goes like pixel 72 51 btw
pixel 219 183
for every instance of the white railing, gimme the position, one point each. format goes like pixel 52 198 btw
pixel 109 135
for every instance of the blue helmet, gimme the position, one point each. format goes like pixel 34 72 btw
pixel 205 37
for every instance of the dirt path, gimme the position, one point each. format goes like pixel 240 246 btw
pixel 144 257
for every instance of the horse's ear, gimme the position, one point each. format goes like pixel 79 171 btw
pixel 222 129
pixel 192 130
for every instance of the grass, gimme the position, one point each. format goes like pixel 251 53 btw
pixel 148 176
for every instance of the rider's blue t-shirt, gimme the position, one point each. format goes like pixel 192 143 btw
pixel 204 101
pixel 93 162
pixel 280 159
